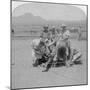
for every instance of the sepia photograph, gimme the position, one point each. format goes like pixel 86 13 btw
pixel 49 44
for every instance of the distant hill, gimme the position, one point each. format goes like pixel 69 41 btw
pixel 27 20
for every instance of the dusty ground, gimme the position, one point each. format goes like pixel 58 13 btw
pixel 24 75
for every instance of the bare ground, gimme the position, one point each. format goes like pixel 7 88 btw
pixel 24 75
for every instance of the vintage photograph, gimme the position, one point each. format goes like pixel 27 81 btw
pixel 49 44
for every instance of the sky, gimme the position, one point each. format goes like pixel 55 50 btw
pixel 48 11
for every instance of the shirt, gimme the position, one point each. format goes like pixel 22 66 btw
pixel 66 35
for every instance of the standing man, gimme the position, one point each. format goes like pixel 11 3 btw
pixel 79 33
pixel 53 33
pixel 44 33
pixel 51 47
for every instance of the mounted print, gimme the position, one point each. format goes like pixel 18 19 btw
pixel 49 44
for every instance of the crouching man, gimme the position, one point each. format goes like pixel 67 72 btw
pixel 65 35
pixel 36 54
pixel 51 48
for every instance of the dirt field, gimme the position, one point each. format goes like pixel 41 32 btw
pixel 24 75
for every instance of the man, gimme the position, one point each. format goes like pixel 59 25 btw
pixel 44 33
pixel 53 33
pixel 38 51
pixel 35 51
pixel 79 33
pixel 65 37
pixel 45 36
pixel 62 41
pixel 51 47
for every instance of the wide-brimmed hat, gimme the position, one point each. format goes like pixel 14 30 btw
pixel 41 35
pixel 53 27
pixel 63 26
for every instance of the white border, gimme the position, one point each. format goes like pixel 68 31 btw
pixel 5 44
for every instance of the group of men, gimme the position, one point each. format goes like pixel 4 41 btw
pixel 51 40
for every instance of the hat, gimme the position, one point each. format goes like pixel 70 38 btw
pixel 41 35
pixel 53 27
pixel 45 27
pixel 63 26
